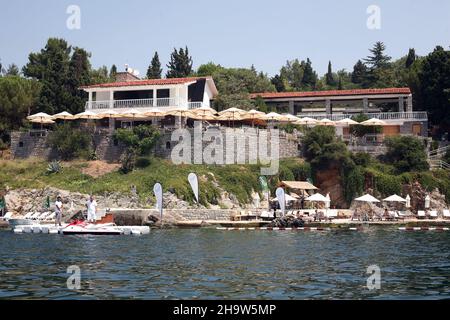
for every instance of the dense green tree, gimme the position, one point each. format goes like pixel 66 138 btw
pixel 154 70
pixel 279 83
pixel 209 69
pixel 434 91
pixel 180 64
pixel 309 79
pixel 13 70
pixel 100 75
pixel 329 77
pixel 51 67
pixel 18 97
pixel 378 59
pixel 410 58
pixel 293 73
pixel 79 75
pixel 360 73
pixel 406 153
pixel 113 73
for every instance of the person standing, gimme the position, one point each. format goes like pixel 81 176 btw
pixel 91 206
pixel 58 211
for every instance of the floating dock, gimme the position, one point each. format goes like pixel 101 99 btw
pixel 52 229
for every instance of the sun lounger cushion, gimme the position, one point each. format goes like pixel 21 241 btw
pixel 446 213
pixel 433 214
pixel 421 213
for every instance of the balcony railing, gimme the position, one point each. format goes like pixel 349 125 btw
pixel 417 115
pixel 139 103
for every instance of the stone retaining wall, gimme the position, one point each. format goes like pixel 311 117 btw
pixel 25 145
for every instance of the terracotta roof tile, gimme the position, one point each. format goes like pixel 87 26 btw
pixel 144 82
pixel 306 94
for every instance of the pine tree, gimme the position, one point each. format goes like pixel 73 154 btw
pixel 79 75
pixel 309 79
pixel 278 82
pixel 410 58
pixel 180 64
pixel 154 70
pixel 13 70
pixel 113 73
pixel 329 78
pixel 378 59
pixel 359 74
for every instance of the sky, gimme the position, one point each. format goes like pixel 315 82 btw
pixel 233 33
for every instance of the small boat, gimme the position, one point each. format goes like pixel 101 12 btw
pixel 83 228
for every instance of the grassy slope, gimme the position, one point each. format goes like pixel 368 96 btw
pixel 239 180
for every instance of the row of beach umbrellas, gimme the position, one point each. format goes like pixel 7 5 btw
pixel 203 114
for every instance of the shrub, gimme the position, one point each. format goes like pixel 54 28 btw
pixel 138 141
pixel 362 159
pixel 353 183
pixel 406 153
pixel 70 142
pixel 142 162
pixel 53 167
pixel 360 130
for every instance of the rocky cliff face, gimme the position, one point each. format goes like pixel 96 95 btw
pixel 329 181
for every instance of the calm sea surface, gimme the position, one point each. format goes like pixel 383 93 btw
pixel 210 264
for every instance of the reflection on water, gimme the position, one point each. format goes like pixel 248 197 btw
pixel 208 264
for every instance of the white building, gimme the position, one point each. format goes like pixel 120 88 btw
pixel 130 92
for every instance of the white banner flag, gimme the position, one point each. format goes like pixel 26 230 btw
pixel 193 181
pixel 281 199
pixel 157 190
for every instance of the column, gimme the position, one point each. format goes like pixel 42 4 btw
pixel 155 97
pixel 401 104
pixel 90 100
pixel 328 106
pixel 365 105
pixel 111 99
pixel 291 107
pixel 409 104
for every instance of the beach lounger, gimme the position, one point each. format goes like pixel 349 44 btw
pixel 433 214
pixel 51 217
pixel 331 214
pixel 421 214
pixel 28 215
pixel 7 216
pixel 446 213
pixel 35 215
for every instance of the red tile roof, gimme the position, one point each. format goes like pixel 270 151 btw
pixel 354 92
pixel 146 82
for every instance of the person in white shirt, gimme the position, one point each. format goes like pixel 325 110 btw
pixel 58 211
pixel 91 206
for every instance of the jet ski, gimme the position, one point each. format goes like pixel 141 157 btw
pixel 85 228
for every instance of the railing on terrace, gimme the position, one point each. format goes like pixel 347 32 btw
pixel 439 164
pixel 417 115
pixel 139 103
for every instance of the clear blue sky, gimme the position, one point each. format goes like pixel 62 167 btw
pixel 232 32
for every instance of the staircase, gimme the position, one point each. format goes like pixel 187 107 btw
pixel 438 164
pixel 438 153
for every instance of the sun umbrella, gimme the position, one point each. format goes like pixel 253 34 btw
pixel 204 111
pixel 317 197
pixel 62 115
pixel 394 198
pixel 229 117
pixel 273 116
pixel 89 115
pixel 326 122
pixel 347 122
pixel 253 115
pixel 306 121
pixel 42 121
pixel 179 112
pixel 373 122
pixel 408 201
pixel 40 115
pixel 232 114
pixel 109 114
pixel 291 118
pixel 367 198
pixel 233 111
pixel 327 204
pixel 154 112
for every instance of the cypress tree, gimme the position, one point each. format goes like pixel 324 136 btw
pixel 154 70
pixel 180 64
